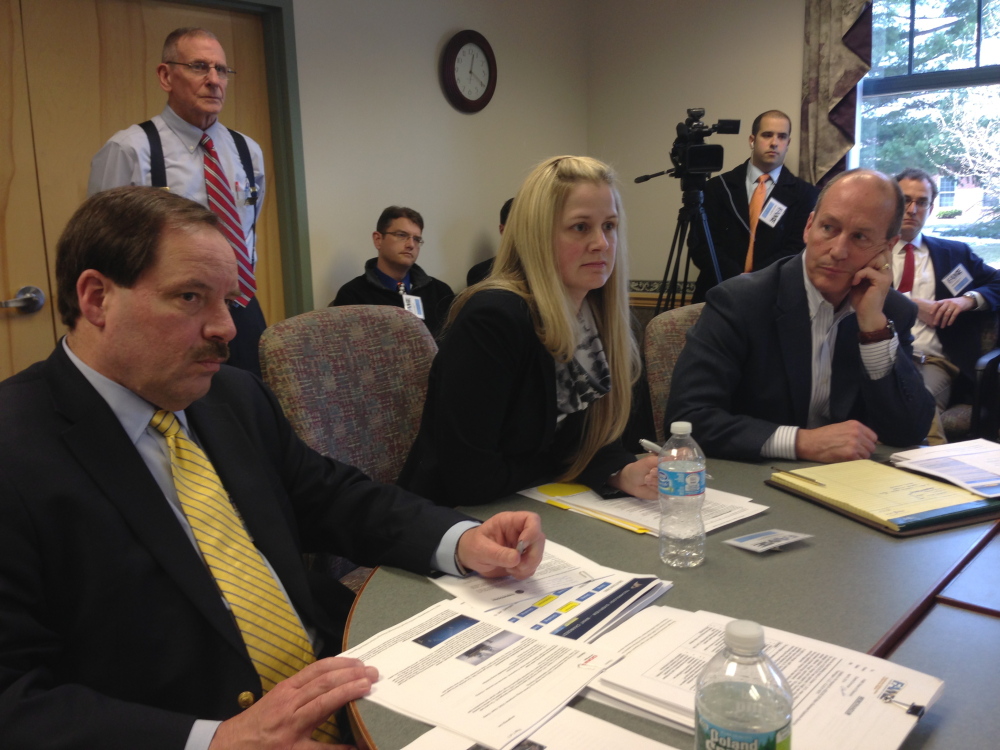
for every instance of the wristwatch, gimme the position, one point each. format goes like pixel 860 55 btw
pixel 883 334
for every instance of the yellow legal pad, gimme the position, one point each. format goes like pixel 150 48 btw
pixel 889 499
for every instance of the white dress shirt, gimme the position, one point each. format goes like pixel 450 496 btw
pixel 753 174
pixel 878 359
pixel 124 160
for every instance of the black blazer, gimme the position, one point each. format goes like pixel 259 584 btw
pixel 113 633
pixel 489 422
pixel 747 368
pixel 728 213
pixel 962 340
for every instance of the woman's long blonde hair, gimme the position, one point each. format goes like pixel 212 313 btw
pixel 526 265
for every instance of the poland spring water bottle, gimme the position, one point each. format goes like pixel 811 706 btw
pixel 682 493
pixel 742 699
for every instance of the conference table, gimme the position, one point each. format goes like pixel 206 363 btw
pixel 929 602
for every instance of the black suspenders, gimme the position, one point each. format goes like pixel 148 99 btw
pixel 158 167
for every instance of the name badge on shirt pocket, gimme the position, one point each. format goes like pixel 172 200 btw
pixel 772 212
pixel 957 279
pixel 414 304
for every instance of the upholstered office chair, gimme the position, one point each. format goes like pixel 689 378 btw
pixel 981 418
pixel 664 339
pixel 352 380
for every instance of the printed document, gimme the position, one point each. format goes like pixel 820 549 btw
pixel 490 681
pixel 972 464
pixel 568 730
pixel 842 698
pixel 642 516
pixel 560 568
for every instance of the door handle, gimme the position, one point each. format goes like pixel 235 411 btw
pixel 29 299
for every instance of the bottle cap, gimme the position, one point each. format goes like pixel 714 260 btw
pixel 680 428
pixel 744 637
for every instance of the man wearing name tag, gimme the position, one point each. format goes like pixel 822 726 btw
pixel 810 358
pixel 756 212
pixel 950 284
pixel 393 277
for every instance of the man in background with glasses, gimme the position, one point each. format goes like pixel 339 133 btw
pixel 947 281
pixel 224 171
pixel 393 276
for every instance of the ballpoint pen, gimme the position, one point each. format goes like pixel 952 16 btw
pixel 652 447
pixel 798 476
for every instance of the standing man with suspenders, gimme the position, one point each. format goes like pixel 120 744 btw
pixel 188 151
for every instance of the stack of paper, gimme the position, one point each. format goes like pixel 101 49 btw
pixel 841 698
pixel 568 730
pixel 490 681
pixel 972 464
pixel 642 516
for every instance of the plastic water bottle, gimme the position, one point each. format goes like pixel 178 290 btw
pixel 682 494
pixel 742 699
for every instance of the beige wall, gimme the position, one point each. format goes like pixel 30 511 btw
pixel 611 79
pixel 656 59
pixel 377 130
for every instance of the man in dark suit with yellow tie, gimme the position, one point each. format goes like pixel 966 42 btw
pixel 155 503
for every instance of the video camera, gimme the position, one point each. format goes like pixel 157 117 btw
pixel 690 154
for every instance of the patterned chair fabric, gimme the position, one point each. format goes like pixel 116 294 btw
pixel 665 337
pixel 352 381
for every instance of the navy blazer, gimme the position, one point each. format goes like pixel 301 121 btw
pixel 746 368
pixel 962 340
pixel 728 212
pixel 114 634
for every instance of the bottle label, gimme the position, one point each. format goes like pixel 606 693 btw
pixel 711 737
pixel 681 482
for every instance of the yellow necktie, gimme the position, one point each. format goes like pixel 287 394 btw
pixel 756 205
pixel 274 636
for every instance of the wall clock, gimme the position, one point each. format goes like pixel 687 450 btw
pixel 468 71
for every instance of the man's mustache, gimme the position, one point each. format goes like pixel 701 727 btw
pixel 212 350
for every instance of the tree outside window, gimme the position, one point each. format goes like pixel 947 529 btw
pixel 932 100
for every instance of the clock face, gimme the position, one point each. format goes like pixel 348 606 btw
pixel 468 71
pixel 472 71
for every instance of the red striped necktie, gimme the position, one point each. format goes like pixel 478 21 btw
pixel 906 280
pixel 220 200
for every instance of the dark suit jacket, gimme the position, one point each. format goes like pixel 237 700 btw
pixel 962 340
pixel 747 368
pixel 728 213
pixel 113 633
pixel 489 422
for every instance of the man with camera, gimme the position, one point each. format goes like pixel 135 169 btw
pixel 756 212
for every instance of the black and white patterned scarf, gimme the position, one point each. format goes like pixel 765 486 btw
pixel 586 377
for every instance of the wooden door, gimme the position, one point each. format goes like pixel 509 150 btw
pixel 90 67
pixel 24 338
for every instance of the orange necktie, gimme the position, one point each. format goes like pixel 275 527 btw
pixel 756 205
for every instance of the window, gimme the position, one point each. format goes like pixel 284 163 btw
pixel 931 101
pixel 946 193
